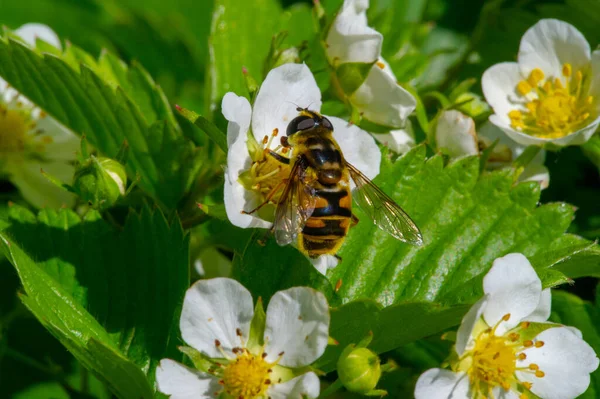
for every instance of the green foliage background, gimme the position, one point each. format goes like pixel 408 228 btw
pixel 109 287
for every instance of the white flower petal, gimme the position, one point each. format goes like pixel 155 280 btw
pixel 464 335
pixel 455 134
pixel 381 100
pixel 513 288
pixel 442 384
pixel 238 112
pixel 297 325
pixel 324 263
pixel 567 361
pixel 543 309
pixel 499 84
pixel 575 331
pixel 32 31
pixel 549 45
pixel 359 147
pixel 38 190
pixel 214 310
pixel 180 382
pixel 400 141
pixel 579 137
pixel 64 145
pixel 305 385
pixel 285 88
pixel 350 39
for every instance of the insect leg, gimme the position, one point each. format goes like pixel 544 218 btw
pixel 354 220
pixel 268 198
pixel 280 158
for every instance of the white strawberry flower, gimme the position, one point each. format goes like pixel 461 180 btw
pixel 363 77
pixel 31 140
pixel 250 174
pixel 250 356
pixel 456 136
pixel 505 348
pixel 551 95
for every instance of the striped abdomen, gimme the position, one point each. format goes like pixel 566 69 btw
pixel 325 230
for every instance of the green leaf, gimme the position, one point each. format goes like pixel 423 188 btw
pixel 392 326
pixel 240 37
pixel 467 221
pixel 131 281
pixel 108 102
pixel 571 310
pixel 264 267
pixel 74 327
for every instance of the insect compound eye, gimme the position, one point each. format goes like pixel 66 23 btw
pixel 301 122
pixel 326 124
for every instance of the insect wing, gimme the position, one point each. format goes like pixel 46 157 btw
pixel 296 205
pixel 382 210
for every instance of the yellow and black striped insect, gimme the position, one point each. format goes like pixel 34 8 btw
pixel 315 206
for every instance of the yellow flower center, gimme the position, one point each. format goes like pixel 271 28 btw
pixel 20 139
pixel 551 108
pixel 492 362
pixel 267 175
pixel 13 129
pixel 247 376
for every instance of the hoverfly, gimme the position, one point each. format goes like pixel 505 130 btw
pixel 315 207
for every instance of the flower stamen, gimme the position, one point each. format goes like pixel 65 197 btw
pixel 552 108
pixel 492 362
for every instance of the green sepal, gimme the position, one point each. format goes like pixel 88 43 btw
pixel 257 327
pixel 485 155
pixel 533 330
pixel 214 210
pixel 525 159
pixel 254 148
pixel 199 361
pixel 251 84
pixel 461 88
pixel 472 104
pixel 213 132
pixel 351 75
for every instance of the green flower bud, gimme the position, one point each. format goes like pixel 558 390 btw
pixel 473 104
pixel 100 181
pixel 359 369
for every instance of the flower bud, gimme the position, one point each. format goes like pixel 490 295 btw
pixel 100 181
pixel 359 369
pixel 287 56
pixel 472 104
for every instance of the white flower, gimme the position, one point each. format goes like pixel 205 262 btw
pixel 250 176
pixel 366 80
pixel 216 321
pixel 455 136
pixel 31 140
pixel 551 95
pixel 506 349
